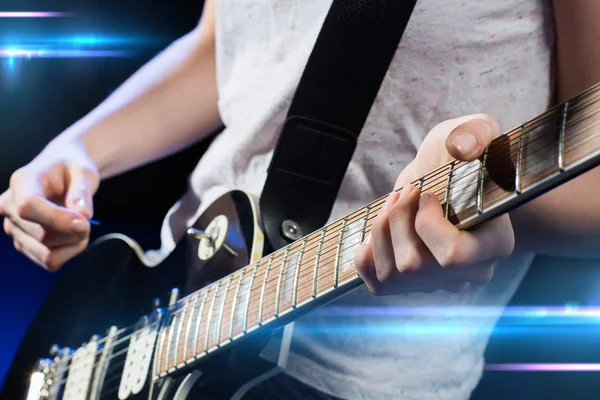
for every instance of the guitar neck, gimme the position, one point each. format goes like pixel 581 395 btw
pixel 518 166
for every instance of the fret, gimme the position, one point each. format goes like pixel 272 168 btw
pixel 234 304
pixel 317 259
pixel 199 322
pixel 297 274
pixel 221 309
pixel 519 180
pixel 210 314
pixel 561 137
pixel 480 182
pixel 188 329
pixel 262 292
pixel 279 279
pixel 336 266
pixel 248 298
pixel 447 194
pixel 180 322
pixel 364 229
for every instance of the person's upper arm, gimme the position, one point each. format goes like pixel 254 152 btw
pixel 569 214
pixel 205 30
pixel 577 45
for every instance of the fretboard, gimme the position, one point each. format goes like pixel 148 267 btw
pixel 518 166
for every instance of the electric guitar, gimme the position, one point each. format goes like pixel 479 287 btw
pixel 230 327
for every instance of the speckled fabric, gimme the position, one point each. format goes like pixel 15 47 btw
pixel 456 57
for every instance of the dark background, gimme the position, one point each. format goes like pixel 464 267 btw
pixel 41 97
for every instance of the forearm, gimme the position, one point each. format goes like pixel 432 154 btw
pixel 566 221
pixel 167 105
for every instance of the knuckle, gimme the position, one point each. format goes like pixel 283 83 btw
pixel 409 261
pixel 451 256
pixel 24 206
pixel 52 262
pixel 16 176
pixel 398 212
pixel 386 272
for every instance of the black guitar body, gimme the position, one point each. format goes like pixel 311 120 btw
pixel 108 286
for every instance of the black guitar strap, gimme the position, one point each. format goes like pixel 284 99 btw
pixel 343 75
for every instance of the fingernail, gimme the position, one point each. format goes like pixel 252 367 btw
pixel 79 225
pixel 392 198
pixel 464 142
pixel 79 203
pixel 424 198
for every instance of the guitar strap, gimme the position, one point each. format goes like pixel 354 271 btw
pixel 339 84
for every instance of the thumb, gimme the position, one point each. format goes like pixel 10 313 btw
pixel 468 140
pixel 80 192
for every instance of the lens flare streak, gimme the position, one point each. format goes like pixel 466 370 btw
pixel 60 53
pixel 33 14
pixel 543 367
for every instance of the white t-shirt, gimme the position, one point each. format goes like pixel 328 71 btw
pixel 457 57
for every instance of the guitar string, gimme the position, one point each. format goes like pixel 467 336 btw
pixel 326 250
pixel 514 136
pixel 99 362
pixel 265 305
pixel 100 341
pixel 228 314
pixel 578 102
pixel 278 258
pixel 274 300
pixel 236 278
pixel 218 340
pixel 125 329
pixel 530 128
pixel 98 352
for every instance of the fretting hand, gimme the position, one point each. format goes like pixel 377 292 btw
pixel 412 247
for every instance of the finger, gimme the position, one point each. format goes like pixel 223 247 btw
pixel 79 195
pixel 8 226
pixel 468 140
pixel 452 247
pixel 28 246
pixel 29 202
pixel 365 259
pixel 381 242
pixel 50 259
pixel 407 245
pixel 50 216
pixel 50 238
pixel 365 265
